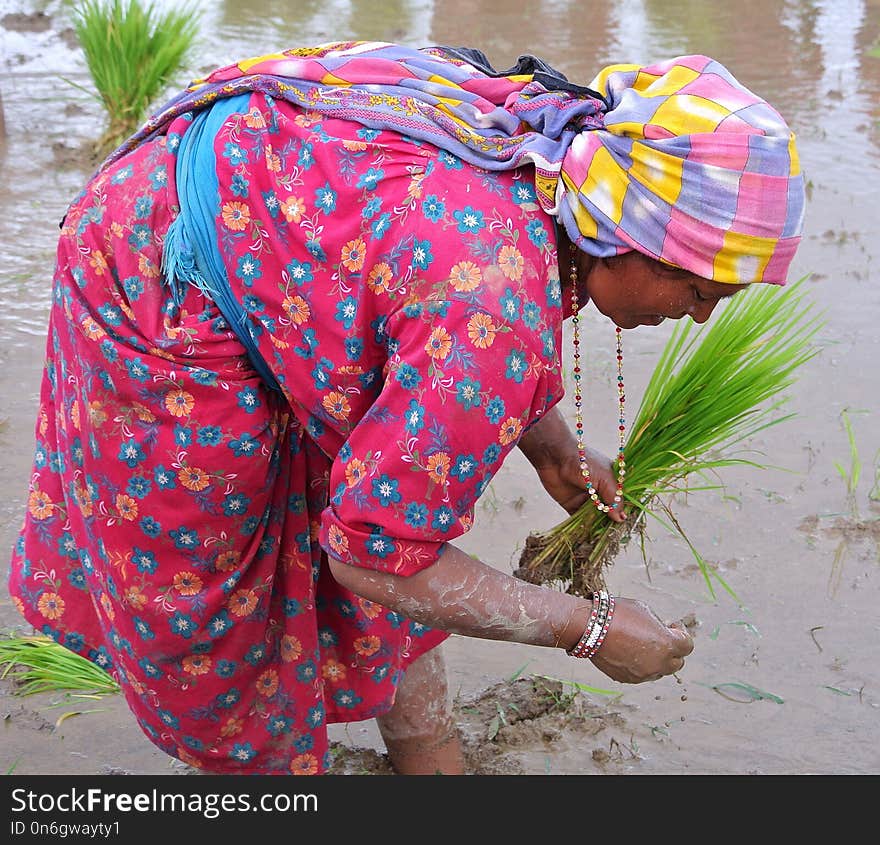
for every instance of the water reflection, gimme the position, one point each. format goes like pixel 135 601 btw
pixel 811 58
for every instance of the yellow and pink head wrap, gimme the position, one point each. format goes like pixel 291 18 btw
pixel 676 160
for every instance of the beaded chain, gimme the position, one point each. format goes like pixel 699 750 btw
pixel 578 402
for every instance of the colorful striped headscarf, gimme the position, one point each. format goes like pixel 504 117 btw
pixel 677 160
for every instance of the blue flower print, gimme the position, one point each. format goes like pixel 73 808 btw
pixel 416 514
pixel 408 376
pixel 143 206
pixel 325 198
pixel 239 185
pixel 422 256
pixel 443 519
pixel 385 490
pixel 536 232
pixel 372 207
pixel 354 347
pixel 138 370
pixel 531 314
pixel 133 288
pixel 145 561
pixel 415 417
pixel 248 399
pixel 467 392
pixel 510 305
pixel 244 445
pixel 433 208
pixel 470 221
pixel 523 193
pixel 380 226
pixel 165 478
pixel 249 269
pixel 346 311
pixel 371 178
pixel 235 153
pixel 449 161
pixel 138 487
pixel 464 467
pixel 131 453
pixel 300 271
pixel 495 410
pixel 515 366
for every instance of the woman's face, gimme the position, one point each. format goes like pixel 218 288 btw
pixel 634 290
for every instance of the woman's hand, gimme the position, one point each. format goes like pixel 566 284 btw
pixel 639 646
pixel 552 450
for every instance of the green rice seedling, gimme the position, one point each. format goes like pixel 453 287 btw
pixel 851 476
pixel 132 49
pixel 38 664
pixel 713 387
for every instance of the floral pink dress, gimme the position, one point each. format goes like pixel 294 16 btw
pixel 180 512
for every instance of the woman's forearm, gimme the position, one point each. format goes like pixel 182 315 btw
pixel 548 442
pixel 461 595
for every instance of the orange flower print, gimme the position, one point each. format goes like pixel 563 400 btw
pixel 147 267
pixel 439 343
pixel 96 413
pixel 511 429
pixel 19 604
pixel 144 414
pixel 338 540
pixel 92 330
pixel 134 598
pixel 197 664
pixel 481 330
pixel 369 608
pixel 297 309
pixel 291 648
pixel 194 479
pixel 267 683
pixel 355 471
pixel 366 646
pixel 293 209
pixel 379 278
pixel 307 119
pixel 254 119
pixel 51 605
pixel 116 229
pixel 304 764
pixel 179 402
pixel 232 727
pixel 185 757
pixel 227 560
pixel 236 216
pixel 273 160
pixel 107 604
pixel 243 602
pixel 511 262
pixel 84 500
pixel 353 255
pixel 187 583
pixel 127 507
pixel 334 671
pixel 98 262
pixel 438 466
pixel 354 146
pixel 336 404
pixel 74 414
pixel 465 276
pixel 40 505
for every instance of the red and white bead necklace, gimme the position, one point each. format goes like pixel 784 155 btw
pixel 578 402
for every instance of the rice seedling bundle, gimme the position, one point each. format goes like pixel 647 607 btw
pixel 132 49
pixel 713 387
pixel 38 664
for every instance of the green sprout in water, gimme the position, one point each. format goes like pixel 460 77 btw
pixel 132 50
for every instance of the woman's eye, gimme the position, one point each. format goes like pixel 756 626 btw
pixel 699 296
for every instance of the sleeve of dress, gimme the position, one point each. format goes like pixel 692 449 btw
pixel 462 385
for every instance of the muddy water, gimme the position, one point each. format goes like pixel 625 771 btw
pixel 797 550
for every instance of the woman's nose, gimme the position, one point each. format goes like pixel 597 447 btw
pixel 702 310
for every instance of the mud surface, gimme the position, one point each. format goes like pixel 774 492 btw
pixel 785 677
